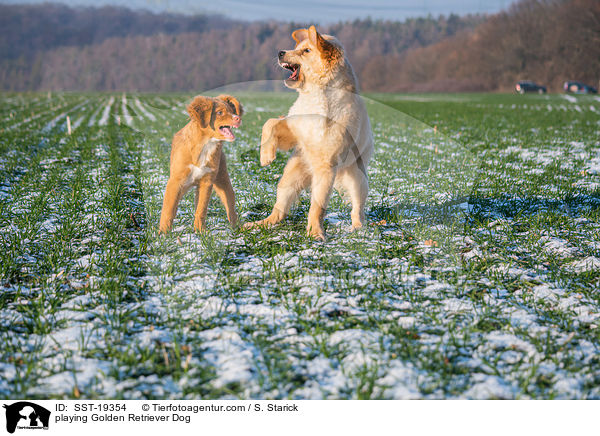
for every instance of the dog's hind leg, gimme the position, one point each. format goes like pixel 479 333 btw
pixel 356 186
pixel 322 184
pixel 295 178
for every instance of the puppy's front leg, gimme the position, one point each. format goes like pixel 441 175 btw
pixel 173 194
pixel 225 192
pixel 276 134
pixel 203 191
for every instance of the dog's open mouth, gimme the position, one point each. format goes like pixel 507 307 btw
pixel 226 132
pixel 294 68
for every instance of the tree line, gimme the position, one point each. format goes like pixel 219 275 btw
pixel 548 41
pixel 29 34
pixel 52 47
pixel 55 47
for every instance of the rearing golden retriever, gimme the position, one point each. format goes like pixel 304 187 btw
pixel 327 126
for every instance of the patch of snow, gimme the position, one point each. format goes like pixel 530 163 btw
pixel 590 263
pixel 487 387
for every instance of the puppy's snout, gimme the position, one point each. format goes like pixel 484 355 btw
pixel 236 119
pixel 281 54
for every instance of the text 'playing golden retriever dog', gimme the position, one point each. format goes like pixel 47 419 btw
pixel 328 128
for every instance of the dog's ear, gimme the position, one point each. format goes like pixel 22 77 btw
pixel 233 103
pixel 330 52
pixel 313 35
pixel 300 35
pixel 201 110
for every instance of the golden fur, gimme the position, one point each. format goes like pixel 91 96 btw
pixel 198 161
pixel 328 128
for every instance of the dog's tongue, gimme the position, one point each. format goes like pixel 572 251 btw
pixel 226 131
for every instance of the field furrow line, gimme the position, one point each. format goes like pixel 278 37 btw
pixel 37 116
pixel 144 111
pixel 8 111
pixel 106 112
pixel 126 115
pixel 52 123
pixel 92 120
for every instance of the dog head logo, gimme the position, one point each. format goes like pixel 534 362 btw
pixel 26 415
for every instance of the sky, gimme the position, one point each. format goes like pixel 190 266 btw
pixel 304 10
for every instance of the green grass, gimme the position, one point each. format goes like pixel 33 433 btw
pixel 476 276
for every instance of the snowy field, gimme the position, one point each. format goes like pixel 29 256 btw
pixel 477 275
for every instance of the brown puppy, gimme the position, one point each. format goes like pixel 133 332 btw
pixel 197 159
pixel 328 128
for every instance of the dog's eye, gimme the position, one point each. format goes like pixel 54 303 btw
pixel 307 50
pixel 220 113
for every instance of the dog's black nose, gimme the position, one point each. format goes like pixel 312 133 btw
pixel 281 54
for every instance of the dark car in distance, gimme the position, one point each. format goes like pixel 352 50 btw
pixel 579 88
pixel 526 86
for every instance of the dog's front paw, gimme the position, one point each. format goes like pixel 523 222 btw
pixel 269 221
pixel 251 225
pixel 317 233
pixel 267 155
pixel 356 226
pixel 261 223
pixel 164 228
pixel 234 221
pixel 199 226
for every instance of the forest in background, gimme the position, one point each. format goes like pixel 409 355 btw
pixel 548 41
pixel 54 47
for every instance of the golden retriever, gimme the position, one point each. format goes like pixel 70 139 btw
pixel 328 128
pixel 198 161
